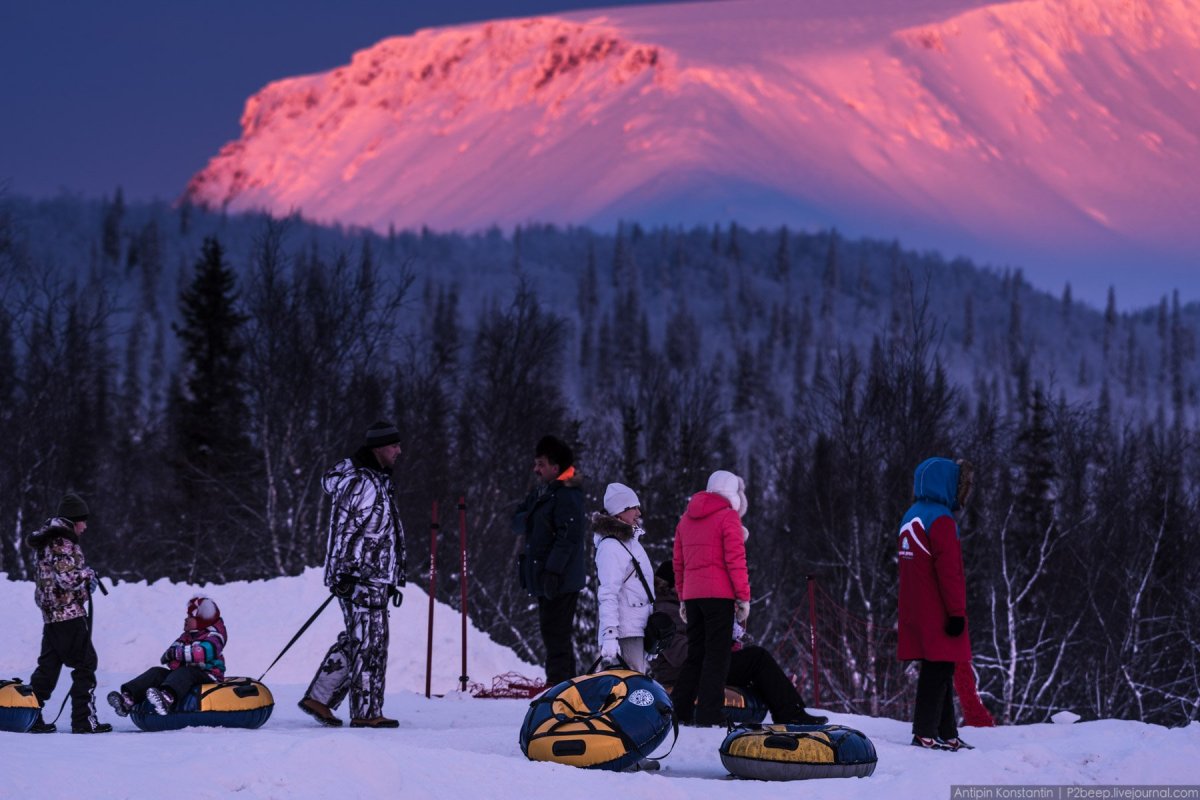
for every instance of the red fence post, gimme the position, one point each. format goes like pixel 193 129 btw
pixel 433 541
pixel 462 539
pixel 812 637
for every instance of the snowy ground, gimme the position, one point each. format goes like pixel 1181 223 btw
pixel 458 746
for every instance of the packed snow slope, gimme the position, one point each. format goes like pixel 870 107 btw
pixel 458 746
pixel 1032 131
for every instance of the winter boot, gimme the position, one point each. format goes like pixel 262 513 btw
pixel 91 725
pixel 929 744
pixel 41 726
pixel 798 716
pixel 121 703
pixel 375 722
pixel 320 712
pixel 160 700
pixel 954 744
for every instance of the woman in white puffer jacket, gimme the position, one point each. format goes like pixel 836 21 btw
pixel 624 602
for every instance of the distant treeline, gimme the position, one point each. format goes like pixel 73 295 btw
pixel 193 376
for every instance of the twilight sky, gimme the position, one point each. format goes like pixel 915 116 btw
pixel 141 93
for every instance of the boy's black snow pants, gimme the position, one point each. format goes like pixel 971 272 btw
pixel 68 643
pixel 934 713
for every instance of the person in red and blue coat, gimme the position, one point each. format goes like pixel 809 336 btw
pixel 933 598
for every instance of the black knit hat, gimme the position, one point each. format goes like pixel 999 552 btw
pixel 72 507
pixel 555 451
pixel 381 434
pixel 666 573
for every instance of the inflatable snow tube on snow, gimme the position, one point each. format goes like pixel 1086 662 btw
pixel 797 752
pixel 607 720
pixel 19 706
pixel 233 703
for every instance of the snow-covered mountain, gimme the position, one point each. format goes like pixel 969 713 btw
pixel 1031 131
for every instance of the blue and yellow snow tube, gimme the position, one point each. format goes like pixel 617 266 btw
pixel 797 752
pixel 19 707
pixel 607 720
pixel 233 703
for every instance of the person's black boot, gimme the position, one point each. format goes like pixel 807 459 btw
pixel 90 725
pixel 41 726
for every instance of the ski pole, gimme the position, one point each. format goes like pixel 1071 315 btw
pixel 433 542
pixel 462 538
pixel 812 638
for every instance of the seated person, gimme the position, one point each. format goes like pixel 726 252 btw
pixel 192 659
pixel 750 667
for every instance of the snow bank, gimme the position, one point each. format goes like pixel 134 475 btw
pixel 135 622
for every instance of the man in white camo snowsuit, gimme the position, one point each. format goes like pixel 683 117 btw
pixel 364 567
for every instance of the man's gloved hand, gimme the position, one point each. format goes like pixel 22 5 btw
pixel 92 581
pixel 396 596
pixel 741 610
pixel 402 581
pixel 343 587
pixel 683 612
pixel 610 651
pixel 551 583
pixel 955 626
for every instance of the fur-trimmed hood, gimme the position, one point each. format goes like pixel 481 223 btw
pixel 55 528
pixel 604 525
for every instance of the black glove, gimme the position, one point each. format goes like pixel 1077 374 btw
pixel 403 581
pixel 955 626
pixel 343 586
pixel 397 596
pixel 551 583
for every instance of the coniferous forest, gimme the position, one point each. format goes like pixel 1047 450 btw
pixel 192 376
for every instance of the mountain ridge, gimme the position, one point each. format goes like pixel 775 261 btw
pixel 1027 132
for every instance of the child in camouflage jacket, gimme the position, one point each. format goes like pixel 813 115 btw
pixel 64 586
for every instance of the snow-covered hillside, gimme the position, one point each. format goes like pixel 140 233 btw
pixel 1032 131
pixel 136 621
pixel 458 746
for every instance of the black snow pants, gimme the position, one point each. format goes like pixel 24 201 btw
pixel 68 643
pixel 556 617
pixel 934 713
pixel 702 678
pixel 756 669
pixel 178 681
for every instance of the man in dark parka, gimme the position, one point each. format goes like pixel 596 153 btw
pixel 551 567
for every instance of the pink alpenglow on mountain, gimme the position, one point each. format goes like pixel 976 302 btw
pixel 1033 131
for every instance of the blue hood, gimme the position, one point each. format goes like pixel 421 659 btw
pixel 935 488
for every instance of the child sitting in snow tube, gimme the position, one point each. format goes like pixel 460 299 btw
pixel 182 692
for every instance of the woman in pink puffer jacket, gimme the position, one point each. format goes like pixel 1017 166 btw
pixel 714 588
